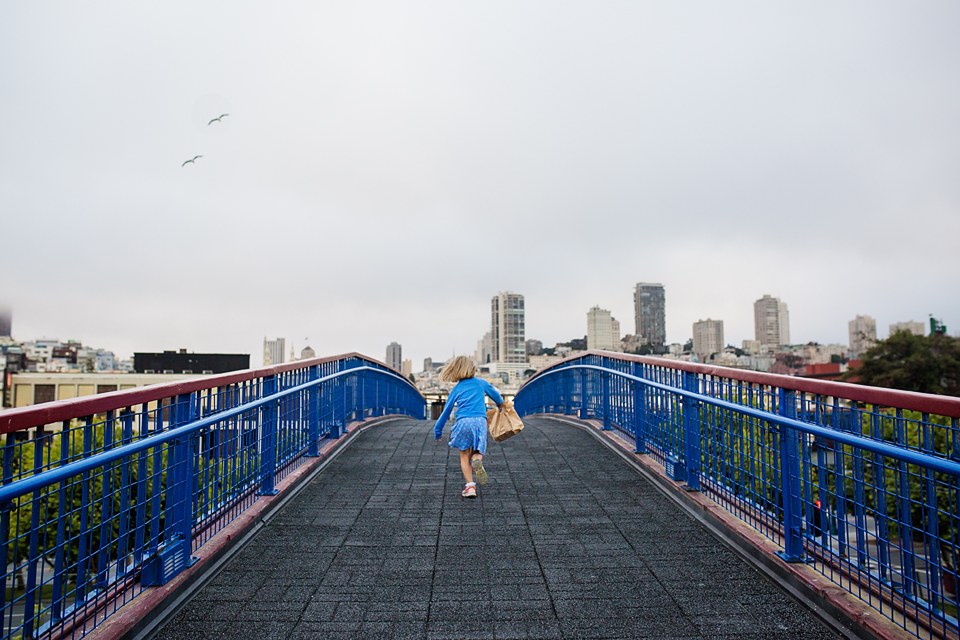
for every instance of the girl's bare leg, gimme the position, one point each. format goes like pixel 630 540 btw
pixel 465 465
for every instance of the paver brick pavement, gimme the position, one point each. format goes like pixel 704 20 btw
pixel 565 541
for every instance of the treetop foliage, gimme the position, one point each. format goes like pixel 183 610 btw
pixel 927 364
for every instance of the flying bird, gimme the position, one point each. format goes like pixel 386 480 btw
pixel 223 115
pixel 189 161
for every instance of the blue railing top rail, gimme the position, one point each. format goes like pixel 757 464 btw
pixel 58 411
pixel 874 446
pixel 52 476
pixel 923 402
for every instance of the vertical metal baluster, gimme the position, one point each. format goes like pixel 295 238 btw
pixel 106 507
pixel 59 564
pixel 931 516
pixel 806 461
pixel 141 518
pixel 313 414
pixel 905 524
pixel 33 554
pixel 171 487
pixel 790 481
pixel 269 435
pixel 840 481
pixel 763 429
pixel 858 497
pixel 84 542
pixel 156 509
pixel 360 399
pixel 881 529
pixel 741 437
pixel 639 411
pixel 691 431
pixel 822 484
pixel 9 450
pixel 126 423
pixel 605 390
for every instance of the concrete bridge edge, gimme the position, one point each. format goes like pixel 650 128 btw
pixel 840 610
pixel 145 615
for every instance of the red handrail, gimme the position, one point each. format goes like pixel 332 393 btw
pixel 910 400
pixel 52 412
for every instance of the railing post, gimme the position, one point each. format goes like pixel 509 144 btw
pixel 191 471
pixel 691 432
pixel 336 406
pixel 605 378
pixel 567 392
pixel 268 433
pixel 639 410
pixel 313 414
pixel 790 481
pixel 582 414
pixel 359 410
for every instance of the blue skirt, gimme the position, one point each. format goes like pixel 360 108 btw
pixel 469 433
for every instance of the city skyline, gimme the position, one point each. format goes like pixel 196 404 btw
pixel 808 152
pixel 841 336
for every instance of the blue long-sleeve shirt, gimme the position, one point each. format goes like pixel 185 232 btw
pixel 468 396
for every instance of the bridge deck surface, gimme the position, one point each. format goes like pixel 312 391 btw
pixel 566 541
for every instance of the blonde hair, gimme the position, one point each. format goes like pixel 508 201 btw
pixel 461 368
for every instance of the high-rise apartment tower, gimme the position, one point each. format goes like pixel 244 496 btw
pixel 395 356
pixel 508 327
pixel 603 330
pixel 771 322
pixel 707 338
pixel 649 303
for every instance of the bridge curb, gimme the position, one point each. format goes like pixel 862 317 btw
pixel 145 615
pixel 840 610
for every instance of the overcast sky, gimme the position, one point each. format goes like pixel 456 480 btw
pixel 386 168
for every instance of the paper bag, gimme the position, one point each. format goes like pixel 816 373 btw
pixel 503 422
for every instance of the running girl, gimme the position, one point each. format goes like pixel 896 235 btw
pixel 469 433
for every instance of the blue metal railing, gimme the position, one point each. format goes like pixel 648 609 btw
pixel 126 486
pixel 862 483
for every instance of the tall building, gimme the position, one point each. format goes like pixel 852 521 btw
pixel 307 352
pixel 863 334
pixel 603 330
pixel 771 323
pixel 484 354
pixel 707 338
pixel 916 328
pixel 407 368
pixel 650 308
pixel 394 356
pixel 508 328
pixel 6 322
pixel 273 351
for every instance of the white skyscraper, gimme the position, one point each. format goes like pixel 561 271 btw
pixel 508 328
pixel 771 322
pixel 863 334
pixel 273 351
pixel 394 356
pixel 707 338
pixel 603 330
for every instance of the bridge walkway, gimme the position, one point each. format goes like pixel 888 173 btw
pixel 565 541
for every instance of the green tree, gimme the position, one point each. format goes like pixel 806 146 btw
pixel 927 364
